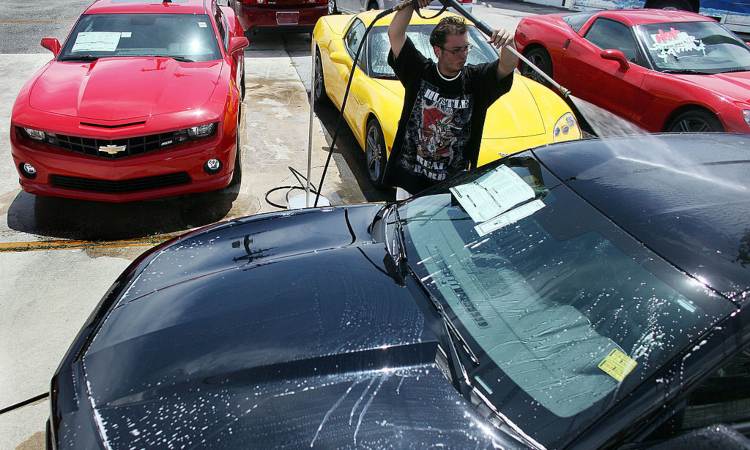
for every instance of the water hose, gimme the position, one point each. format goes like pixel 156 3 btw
pixel 484 28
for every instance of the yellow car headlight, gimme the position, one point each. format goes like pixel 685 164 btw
pixel 566 124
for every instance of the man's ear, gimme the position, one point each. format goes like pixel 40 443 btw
pixel 437 51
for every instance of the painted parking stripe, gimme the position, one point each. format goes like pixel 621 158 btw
pixel 64 244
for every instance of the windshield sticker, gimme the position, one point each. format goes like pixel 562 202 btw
pixel 492 194
pixel 96 41
pixel 126 34
pixel 674 42
pixel 617 364
pixel 202 24
pixel 509 217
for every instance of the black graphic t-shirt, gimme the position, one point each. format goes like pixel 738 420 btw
pixel 440 128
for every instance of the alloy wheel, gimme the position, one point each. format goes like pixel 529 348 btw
pixel 375 152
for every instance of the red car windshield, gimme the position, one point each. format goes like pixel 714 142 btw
pixel 694 47
pixel 185 37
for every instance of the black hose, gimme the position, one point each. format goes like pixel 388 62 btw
pixel 290 188
pixel 346 97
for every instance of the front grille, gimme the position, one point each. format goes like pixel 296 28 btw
pixel 119 186
pixel 119 148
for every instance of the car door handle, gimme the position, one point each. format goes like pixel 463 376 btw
pixel 566 44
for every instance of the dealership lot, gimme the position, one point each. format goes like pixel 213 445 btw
pixel 58 257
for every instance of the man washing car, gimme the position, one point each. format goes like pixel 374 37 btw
pixel 445 103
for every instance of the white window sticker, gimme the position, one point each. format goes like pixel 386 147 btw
pixel 509 217
pixel 126 34
pixel 492 194
pixel 202 24
pixel 96 41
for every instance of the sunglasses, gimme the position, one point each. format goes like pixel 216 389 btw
pixel 458 50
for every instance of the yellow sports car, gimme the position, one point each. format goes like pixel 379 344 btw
pixel 528 116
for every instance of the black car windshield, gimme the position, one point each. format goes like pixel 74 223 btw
pixel 481 51
pixel 188 37
pixel 697 47
pixel 565 311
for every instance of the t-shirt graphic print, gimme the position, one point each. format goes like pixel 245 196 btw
pixel 439 128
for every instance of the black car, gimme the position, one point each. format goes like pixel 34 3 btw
pixel 582 295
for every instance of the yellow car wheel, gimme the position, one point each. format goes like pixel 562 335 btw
pixel 375 153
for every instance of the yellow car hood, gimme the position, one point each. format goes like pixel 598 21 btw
pixel 513 115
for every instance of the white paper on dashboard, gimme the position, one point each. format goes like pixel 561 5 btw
pixel 509 217
pixel 96 41
pixel 492 194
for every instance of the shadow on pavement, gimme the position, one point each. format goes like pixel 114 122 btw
pixel 348 148
pixel 95 221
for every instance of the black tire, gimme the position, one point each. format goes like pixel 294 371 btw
pixel 540 58
pixel 375 153
pixel 242 83
pixel 695 121
pixel 683 5
pixel 333 7
pixel 237 174
pixel 372 5
pixel 320 86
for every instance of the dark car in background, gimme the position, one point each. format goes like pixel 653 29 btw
pixel 585 294
pixel 279 15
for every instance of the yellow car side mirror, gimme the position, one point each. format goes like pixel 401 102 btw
pixel 341 58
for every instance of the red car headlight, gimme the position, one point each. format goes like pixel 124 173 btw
pixel 746 115
pixel 34 134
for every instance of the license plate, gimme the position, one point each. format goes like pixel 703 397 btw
pixel 287 17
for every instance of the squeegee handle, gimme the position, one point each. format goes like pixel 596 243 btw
pixel 484 28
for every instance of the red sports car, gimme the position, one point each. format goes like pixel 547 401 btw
pixel 142 101
pixel 663 70
pixel 281 15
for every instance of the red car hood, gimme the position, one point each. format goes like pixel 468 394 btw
pixel 735 85
pixel 124 88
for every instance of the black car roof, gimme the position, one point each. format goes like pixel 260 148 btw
pixel 687 197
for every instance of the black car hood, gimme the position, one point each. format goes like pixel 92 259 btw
pixel 308 342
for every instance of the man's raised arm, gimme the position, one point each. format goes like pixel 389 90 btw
pixel 397 28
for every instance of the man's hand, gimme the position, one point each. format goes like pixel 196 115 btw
pixel 500 38
pixel 503 39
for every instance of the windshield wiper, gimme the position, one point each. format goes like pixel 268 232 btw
pixel 687 71
pixel 79 58
pixel 395 260
pixel 176 58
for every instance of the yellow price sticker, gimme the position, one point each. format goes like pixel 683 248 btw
pixel 617 364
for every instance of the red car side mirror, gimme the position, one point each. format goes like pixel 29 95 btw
pixel 237 43
pixel 616 55
pixel 51 44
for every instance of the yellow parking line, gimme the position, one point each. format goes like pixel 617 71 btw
pixel 64 244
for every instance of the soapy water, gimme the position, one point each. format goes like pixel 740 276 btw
pixel 604 123
pixel 649 150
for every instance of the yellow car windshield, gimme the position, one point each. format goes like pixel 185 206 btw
pixel 480 52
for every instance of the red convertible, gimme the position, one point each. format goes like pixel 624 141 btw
pixel 662 70
pixel 142 101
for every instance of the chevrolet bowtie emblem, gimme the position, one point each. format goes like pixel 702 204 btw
pixel 112 149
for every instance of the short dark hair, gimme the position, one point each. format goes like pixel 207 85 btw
pixel 447 25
